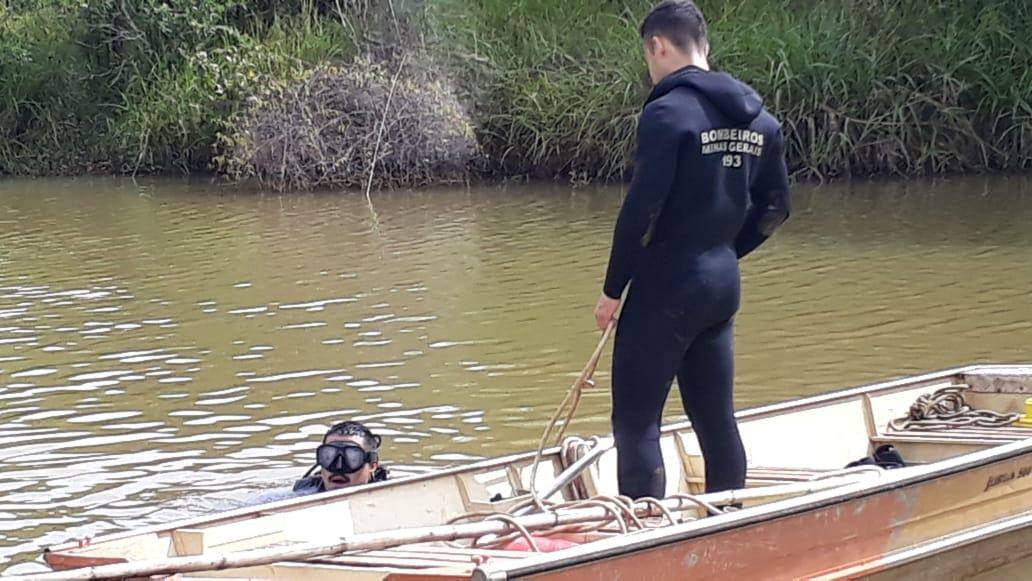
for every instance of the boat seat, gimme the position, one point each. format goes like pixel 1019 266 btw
pixel 499 489
pixel 1006 433
pixel 756 477
pixel 920 446
pixel 686 470
pixel 770 475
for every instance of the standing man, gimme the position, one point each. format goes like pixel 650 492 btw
pixel 710 185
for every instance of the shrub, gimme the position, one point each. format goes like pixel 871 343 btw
pixel 328 130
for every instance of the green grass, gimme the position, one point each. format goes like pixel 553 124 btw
pixel 862 88
pixel 43 100
pixel 556 85
pixel 900 87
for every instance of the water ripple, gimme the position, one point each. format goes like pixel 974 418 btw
pixel 174 355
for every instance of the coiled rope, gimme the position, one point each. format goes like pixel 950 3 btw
pixel 626 514
pixel 946 408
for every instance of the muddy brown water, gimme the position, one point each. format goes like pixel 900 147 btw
pixel 170 348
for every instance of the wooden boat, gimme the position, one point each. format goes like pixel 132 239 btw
pixel 962 506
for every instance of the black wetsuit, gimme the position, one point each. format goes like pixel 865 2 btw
pixel 709 186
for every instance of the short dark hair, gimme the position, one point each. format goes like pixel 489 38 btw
pixel 681 21
pixel 370 441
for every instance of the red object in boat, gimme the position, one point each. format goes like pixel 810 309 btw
pixel 546 544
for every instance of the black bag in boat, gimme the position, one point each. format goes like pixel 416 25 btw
pixel 885 456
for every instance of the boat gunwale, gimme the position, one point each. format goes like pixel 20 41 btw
pixel 289 504
pixel 890 480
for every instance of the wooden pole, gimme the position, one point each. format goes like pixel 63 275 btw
pixel 568 407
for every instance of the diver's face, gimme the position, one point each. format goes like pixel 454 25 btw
pixel 334 481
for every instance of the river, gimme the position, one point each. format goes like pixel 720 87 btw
pixel 171 348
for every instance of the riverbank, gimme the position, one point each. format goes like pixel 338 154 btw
pixel 551 88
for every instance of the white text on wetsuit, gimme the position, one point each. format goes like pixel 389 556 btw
pixel 731 141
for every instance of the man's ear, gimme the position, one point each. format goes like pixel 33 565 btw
pixel 662 46
pixel 378 440
pixel 652 45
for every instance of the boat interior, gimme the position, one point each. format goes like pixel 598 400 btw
pixel 799 442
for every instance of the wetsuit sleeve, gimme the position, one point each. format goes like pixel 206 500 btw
pixel 654 170
pixel 770 199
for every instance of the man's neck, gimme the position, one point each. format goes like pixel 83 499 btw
pixel 694 60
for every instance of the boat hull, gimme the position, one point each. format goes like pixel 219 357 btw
pixel 964 507
pixel 848 534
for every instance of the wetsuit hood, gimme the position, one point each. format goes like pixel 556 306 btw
pixel 738 101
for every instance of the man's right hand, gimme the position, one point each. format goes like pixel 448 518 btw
pixel 605 311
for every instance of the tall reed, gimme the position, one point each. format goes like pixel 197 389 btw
pixel 880 86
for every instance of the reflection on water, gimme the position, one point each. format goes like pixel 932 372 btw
pixel 170 349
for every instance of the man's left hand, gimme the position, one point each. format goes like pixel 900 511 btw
pixel 605 311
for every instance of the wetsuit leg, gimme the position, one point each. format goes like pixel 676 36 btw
pixel 706 381
pixel 648 352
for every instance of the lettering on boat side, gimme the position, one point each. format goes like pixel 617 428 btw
pixel 999 479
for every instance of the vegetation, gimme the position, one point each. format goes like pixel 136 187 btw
pixel 881 86
pixel 553 88
pixel 328 129
pixel 144 85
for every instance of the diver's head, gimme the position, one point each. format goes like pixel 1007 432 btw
pixel 674 35
pixel 349 455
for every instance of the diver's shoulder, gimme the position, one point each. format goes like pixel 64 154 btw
pixel 308 485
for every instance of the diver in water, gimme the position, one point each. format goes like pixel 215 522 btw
pixel 348 456
pixel 710 185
